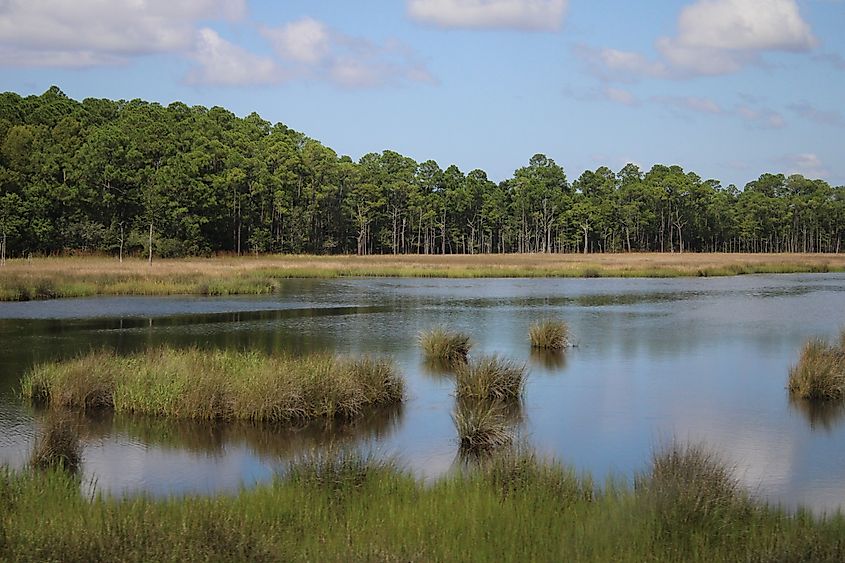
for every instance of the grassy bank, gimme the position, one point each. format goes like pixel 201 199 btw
pixel 217 385
pixel 348 508
pixel 46 278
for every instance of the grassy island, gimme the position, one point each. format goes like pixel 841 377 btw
pixel 214 385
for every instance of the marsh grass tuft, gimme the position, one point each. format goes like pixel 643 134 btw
pixel 689 485
pixel 549 334
pixel 338 469
pixel 482 427
pixel 819 373
pixel 218 385
pixel 517 469
pixel 490 379
pixel 447 346
pixel 58 446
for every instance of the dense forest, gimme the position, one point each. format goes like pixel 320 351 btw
pixel 132 177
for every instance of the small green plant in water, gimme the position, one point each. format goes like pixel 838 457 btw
pixel 441 344
pixel 549 334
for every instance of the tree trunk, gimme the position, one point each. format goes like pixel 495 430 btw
pixel 120 251
pixel 586 233
pixel 151 244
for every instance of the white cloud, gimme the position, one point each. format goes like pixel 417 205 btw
pixel 317 51
pixel 717 37
pixel 806 164
pixel 744 25
pixel 97 32
pixel 222 63
pixel 306 40
pixel 532 15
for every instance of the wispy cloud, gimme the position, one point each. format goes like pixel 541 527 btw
pixel 806 164
pixel 222 63
pixel 529 15
pixel 809 112
pixel 314 50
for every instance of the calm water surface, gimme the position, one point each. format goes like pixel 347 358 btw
pixel 697 359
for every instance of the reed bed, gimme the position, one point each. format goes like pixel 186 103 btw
pixel 217 385
pixel 510 508
pixel 820 372
pixel 441 345
pixel 490 378
pixel 549 334
pixel 47 278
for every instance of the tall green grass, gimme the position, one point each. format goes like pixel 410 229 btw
pixel 510 508
pixel 217 385
pixel 439 344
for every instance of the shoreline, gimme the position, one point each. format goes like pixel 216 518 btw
pixel 51 278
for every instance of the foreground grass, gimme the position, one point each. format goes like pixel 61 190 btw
pixel 347 508
pixel 217 385
pixel 46 278
pixel 819 374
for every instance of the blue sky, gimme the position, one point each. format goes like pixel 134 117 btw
pixel 726 88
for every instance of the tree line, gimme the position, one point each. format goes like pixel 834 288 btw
pixel 133 177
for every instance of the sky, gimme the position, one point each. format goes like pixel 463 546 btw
pixel 728 89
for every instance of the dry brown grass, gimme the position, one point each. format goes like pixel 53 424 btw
pixel 76 276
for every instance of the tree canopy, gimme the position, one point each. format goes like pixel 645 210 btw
pixel 137 177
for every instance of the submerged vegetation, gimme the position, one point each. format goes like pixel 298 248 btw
pixel 820 372
pixel 549 334
pixel 444 345
pixel 509 507
pixel 217 385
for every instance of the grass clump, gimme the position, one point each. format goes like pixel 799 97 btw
pixel 58 446
pixel 490 379
pixel 482 427
pixel 819 373
pixel 688 485
pixel 549 334
pixel 218 385
pixel 444 345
